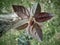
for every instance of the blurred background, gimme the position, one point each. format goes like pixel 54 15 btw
pixel 51 30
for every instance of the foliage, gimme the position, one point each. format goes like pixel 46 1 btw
pixel 51 30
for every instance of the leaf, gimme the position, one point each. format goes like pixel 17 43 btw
pixel 41 17
pixel 35 31
pixel 21 11
pixel 38 32
pixel 22 26
pixel 38 9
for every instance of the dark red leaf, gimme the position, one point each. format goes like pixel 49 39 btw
pixel 31 23
pixel 21 11
pixel 41 17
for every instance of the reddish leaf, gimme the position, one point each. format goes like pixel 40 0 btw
pixel 41 17
pixel 31 23
pixel 38 9
pixel 21 11
pixel 35 31
pixel 38 32
pixel 22 26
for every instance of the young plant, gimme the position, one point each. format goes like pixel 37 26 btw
pixel 31 19
pixel 34 16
